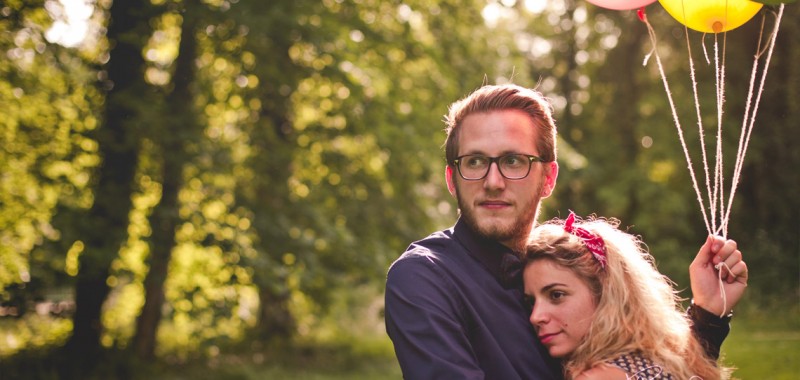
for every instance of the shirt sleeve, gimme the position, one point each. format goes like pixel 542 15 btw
pixel 423 320
pixel 709 329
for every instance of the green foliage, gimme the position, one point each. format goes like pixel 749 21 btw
pixel 319 159
pixel 32 332
pixel 46 156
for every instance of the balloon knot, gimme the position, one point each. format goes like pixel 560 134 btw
pixel 641 14
pixel 717 27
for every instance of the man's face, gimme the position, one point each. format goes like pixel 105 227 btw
pixel 495 207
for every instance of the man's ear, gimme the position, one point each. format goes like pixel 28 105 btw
pixel 448 176
pixel 550 175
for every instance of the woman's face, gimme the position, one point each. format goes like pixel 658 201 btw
pixel 563 306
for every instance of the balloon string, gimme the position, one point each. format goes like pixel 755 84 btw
pixel 712 201
pixel 743 133
pixel 719 196
pixel 723 223
pixel 722 286
pixel 700 128
pixel 654 52
pixel 751 122
pixel 715 189
pixel 716 194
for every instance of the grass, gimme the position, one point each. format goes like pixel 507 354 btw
pixel 765 345
pixel 765 355
pixel 370 369
pixel 355 360
pixel 762 345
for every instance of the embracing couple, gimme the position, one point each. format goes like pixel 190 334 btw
pixel 498 297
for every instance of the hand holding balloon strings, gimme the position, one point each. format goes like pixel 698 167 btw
pixel 718 275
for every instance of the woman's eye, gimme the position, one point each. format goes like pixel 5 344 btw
pixel 557 295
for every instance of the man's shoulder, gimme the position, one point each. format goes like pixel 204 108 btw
pixel 430 268
pixel 428 253
pixel 432 247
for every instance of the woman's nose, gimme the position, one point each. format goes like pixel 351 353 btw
pixel 538 315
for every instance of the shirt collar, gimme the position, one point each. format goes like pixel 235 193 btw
pixel 502 262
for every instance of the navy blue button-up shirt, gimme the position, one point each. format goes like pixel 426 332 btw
pixel 451 313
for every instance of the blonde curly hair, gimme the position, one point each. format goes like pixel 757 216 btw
pixel 638 309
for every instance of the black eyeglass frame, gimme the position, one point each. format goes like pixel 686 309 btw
pixel 531 160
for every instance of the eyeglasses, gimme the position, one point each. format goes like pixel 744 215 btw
pixel 473 167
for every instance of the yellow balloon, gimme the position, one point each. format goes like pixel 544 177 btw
pixel 711 16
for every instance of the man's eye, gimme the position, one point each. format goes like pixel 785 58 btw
pixel 513 160
pixel 476 161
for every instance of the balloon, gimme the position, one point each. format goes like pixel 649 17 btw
pixel 621 4
pixel 711 16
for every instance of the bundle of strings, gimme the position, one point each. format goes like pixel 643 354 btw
pixel 717 217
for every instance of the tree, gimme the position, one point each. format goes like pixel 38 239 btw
pixel 173 146
pixel 104 227
pixel 333 132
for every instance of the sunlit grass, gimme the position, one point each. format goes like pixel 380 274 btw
pixel 765 345
pixel 759 355
pixel 762 345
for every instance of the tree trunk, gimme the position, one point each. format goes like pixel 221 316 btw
pixel 165 218
pixel 104 229
pixel 268 193
pixel 276 323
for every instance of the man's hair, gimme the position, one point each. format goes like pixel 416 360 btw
pixel 498 98
pixel 638 309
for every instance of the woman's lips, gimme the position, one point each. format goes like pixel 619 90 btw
pixel 544 338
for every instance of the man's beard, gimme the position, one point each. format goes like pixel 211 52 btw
pixel 515 234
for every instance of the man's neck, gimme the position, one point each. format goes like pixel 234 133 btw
pixel 516 244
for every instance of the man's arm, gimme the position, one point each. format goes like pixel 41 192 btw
pixel 718 279
pixel 423 321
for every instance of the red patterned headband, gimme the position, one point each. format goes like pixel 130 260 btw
pixel 592 241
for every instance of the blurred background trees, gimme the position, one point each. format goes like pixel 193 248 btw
pixel 179 177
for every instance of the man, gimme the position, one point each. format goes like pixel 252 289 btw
pixel 454 309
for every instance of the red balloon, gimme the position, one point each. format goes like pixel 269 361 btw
pixel 619 5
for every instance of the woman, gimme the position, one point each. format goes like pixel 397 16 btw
pixel 601 306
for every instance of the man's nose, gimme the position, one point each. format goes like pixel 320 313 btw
pixel 494 179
